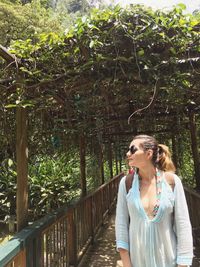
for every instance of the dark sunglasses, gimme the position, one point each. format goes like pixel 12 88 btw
pixel 132 149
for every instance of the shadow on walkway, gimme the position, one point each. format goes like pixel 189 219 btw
pixel 103 253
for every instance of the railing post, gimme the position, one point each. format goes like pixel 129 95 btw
pixel 110 159
pixel 71 244
pixel 102 202
pixel 110 198
pixel 82 148
pixel 37 252
pixel 91 222
pixel 22 168
pixel 21 260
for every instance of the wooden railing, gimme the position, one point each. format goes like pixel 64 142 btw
pixel 61 239
pixel 193 201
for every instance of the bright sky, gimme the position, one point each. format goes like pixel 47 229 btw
pixel 160 4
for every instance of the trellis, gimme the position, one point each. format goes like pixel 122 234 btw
pixel 113 64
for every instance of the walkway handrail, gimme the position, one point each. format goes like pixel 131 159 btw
pixel 61 238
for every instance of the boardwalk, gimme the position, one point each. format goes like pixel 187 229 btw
pixel 103 253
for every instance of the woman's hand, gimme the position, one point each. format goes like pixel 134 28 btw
pixel 125 257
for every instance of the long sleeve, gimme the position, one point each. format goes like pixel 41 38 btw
pixel 182 226
pixel 122 218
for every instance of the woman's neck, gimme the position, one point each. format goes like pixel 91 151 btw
pixel 147 173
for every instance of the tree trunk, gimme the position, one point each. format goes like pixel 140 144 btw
pixel 194 145
pixel 22 169
pixel 82 165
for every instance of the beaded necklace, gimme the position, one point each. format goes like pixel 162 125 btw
pixel 158 192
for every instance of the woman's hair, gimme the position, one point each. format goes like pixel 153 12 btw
pixel 161 154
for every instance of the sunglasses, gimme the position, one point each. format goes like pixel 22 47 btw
pixel 132 149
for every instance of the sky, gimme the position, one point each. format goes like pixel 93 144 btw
pixel 160 4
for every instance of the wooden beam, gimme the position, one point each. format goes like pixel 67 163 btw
pixel 82 147
pixel 101 163
pixel 110 158
pixel 175 151
pixel 8 56
pixel 139 132
pixel 22 169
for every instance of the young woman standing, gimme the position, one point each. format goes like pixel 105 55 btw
pixel 152 222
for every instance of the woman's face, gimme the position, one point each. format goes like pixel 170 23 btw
pixel 136 156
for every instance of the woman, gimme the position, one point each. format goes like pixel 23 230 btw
pixel 152 222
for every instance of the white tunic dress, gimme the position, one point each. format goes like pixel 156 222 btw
pixel 165 240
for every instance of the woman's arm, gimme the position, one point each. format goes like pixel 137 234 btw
pixel 122 222
pixel 182 226
pixel 124 254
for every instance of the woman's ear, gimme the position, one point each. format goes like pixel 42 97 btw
pixel 149 154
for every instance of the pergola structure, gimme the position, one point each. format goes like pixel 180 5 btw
pixel 116 74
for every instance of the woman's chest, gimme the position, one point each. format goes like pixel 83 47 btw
pixel 148 196
pixel 150 200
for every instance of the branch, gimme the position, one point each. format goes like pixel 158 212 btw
pixel 150 103
pixel 10 58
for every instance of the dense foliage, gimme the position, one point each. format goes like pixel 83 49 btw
pixel 19 21
pixel 53 181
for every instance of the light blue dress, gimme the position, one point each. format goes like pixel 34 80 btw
pixel 165 240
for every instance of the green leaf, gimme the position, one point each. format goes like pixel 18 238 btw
pixel 10 162
pixel 11 106
pixel 186 83
pixel 141 52
pixel 91 43
pixel 182 6
pixel 182 22
pixel 172 50
pixel 194 23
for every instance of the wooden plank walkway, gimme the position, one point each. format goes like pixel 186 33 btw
pixel 103 253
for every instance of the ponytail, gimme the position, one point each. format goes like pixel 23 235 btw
pixel 164 161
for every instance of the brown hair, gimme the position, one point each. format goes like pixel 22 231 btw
pixel 161 154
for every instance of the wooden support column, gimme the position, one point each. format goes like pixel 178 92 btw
pixel 72 237
pixel 110 162
pixel 194 145
pixel 83 165
pixel 116 160
pixel 22 168
pixel 175 151
pixel 101 163
pixel 179 141
pixel 120 160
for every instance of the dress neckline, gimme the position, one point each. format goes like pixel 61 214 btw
pixel 159 190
